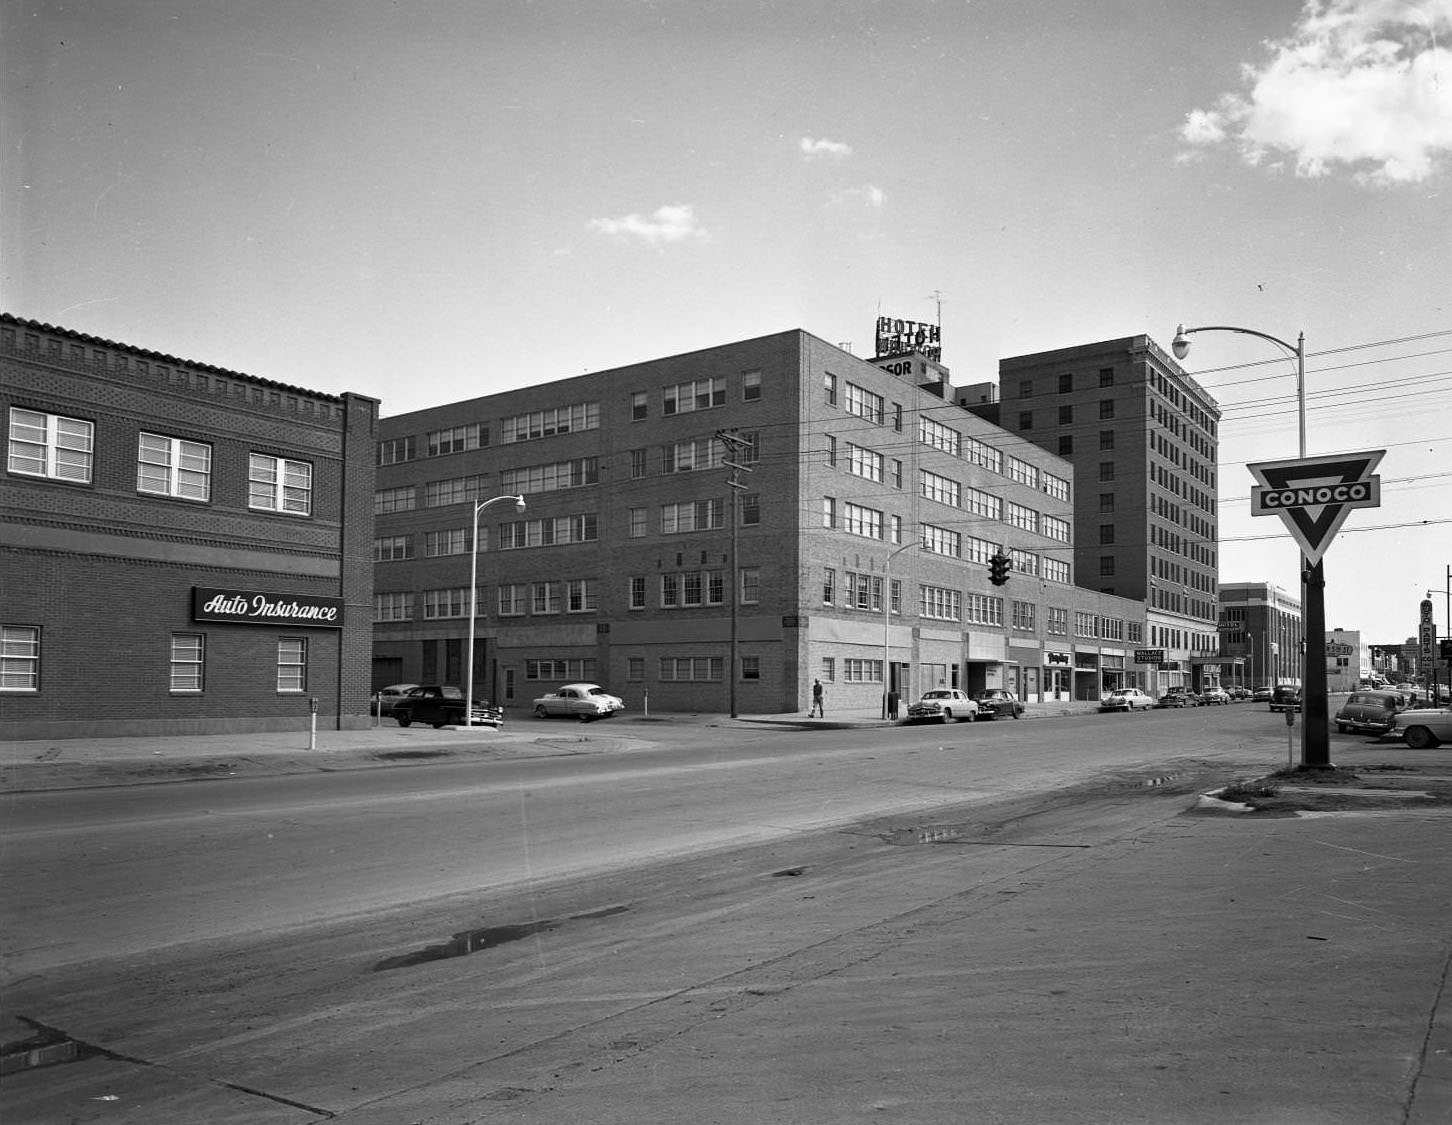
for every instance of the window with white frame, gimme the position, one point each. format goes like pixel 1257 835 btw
pixel 395 605
pixel 580 668
pixel 636 591
pixel 456 490
pixel 1024 518
pixel 637 463
pixel 983 503
pixel 978 550
pixel 829 585
pixel 635 669
pixel 983 609
pixel 980 453
pixel 894 597
pixel 687 456
pixel 639 405
pixel 392 548
pixel 1084 623
pixel 831 450
pixel 862 591
pixel 1111 628
pixel 858 671
pixel 864 404
pixel 395 451
pixel 1024 562
pixel 638 517
pixel 292 664
pixel 750 386
pixel 1056 621
pixel 457 439
pixel 510 599
pixel 581 595
pixel 548 423
pixel 942 489
pixel 1055 528
pixel 942 541
pixel 750 585
pixel 173 467
pixel 864 463
pixel 50 445
pixel 546 597
pixel 692 515
pixel 387 500
pixel 751 667
pixel 750 507
pixel 1056 570
pixel 552 477
pixel 829 669
pixel 187 650
pixel 1057 487
pixel 829 388
pixel 447 541
pixel 933 433
pixel 940 603
pixel 859 520
pixel 689 669
pixel 277 484
pixel 1023 472
pixel 553 532
pixel 441 604
pixel 20 658
pixel 701 394
pixel 1023 616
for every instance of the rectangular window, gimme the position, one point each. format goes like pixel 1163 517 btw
pixel 829 669
pixel 750 386
pixel 186 661
pixel 1106 408
pixel 1055 528
pixel 1106 470
pixel 639 406
pixel 1066 384
pixel 1057 487
pixel 1066 415
pixel 1057 623
pixel 580 595
pixel 689 669
pixel 556 532
pixel 942 541
pixel 751 667
pixel 1106 440
pixel 829 585
pixel 510 599
pixel 457 439
pixel 750 508
pixel 456 490
pixel 396 606
pixel 687 456
pixel 439 605
pixel 1106 376
pixel 1025 518
pixel 277 484
pixel 635 669
pixel 292 664
pixel 387 500
pixel 864 463
pixel 1066 445
pixel 856 671
pixel 1024 562
pixel 829 388
pixel 637 522
pixel 637 591
pixel 1023 616
pixel 831 451
pixel 938 436
pixel 396 451
pixel 557 475
pixel 559 670
pixel 49 445
pixel 701 394
pixel 750 585
pixel 940 603
pixel 19 658
pixel 941 489
pixel 864 404
pixel 548 423
pixel 1025 419
pixel 692 515
pixel 1056 570
pixel 392 548
pixel 980 453
pixel 983 504
pixel 450 541
pixel 1025 388
pixel 1106 566
pixel 1023 472
pixel 173 467
pixel 637 464
pixel 829 512
pixel 545 597
pixel 859 520
pixel 1106 533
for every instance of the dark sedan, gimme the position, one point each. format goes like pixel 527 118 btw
pixel 996 703
pixel 1370 712
pixel 442 706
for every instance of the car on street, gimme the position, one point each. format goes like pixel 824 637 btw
pixel 440 705
pixel 385 698
pixel 1286 697
pixel 943 705
pixel 580 701
pixel 1238 694
pixel 1262 694
pixel 1126 699
pixel 1369 712
pixel 995 703
pixel 1178 697
pixel 1214 697
pixel 1421 728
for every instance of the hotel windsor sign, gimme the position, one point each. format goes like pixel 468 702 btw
pixel 251 607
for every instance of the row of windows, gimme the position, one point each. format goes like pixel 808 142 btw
pixel 55 447
pixel 1064 383
pixel 20 662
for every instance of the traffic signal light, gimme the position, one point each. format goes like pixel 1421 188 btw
pixel 998 568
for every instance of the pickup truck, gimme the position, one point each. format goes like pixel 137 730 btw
pixel 443 706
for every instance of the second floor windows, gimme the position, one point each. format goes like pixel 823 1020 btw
pixel 277 484
pixel 702 394
pixel 173 467
pixel 48 445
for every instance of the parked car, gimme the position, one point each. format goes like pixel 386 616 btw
pixel 1262 694
pixel 1238 693
pixel 1214 697
pixel 1285 698
pixel 943 705
pixel 996 703
pixel 1370 712
pixel 386 698
pixel 1423 727
pixel 1178 697
pixel 1126 699
pixel 583 701
pixel 443 706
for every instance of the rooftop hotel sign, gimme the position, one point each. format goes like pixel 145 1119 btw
pixel 1313 495
pixel 250 607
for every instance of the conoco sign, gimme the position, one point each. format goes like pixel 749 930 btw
pixel 251 607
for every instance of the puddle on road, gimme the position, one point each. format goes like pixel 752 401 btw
pixel 410 755
pixel 487 937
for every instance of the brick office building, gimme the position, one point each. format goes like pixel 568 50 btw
pixel 620 570
pixel 185 549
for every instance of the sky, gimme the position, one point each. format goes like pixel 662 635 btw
pixel 432 201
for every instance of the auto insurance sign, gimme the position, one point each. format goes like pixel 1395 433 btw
pixel 252 607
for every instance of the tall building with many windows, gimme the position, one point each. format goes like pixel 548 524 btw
pixel 849 543
pixel 1260 632
pixel 184 548
pixel 1142 438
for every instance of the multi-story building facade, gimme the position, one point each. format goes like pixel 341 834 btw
pixel 1347 662
pixel 852 548
pixel 1260 633
pixel 184 548
pixel 1142 438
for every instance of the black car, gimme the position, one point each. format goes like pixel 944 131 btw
pixel 1178 697
pixel 443 706
pixel 996 703
pixel 1286 698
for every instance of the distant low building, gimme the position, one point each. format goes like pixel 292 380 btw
pixel 1346 661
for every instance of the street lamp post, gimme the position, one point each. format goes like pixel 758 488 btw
pixel 474 599
pixel 1315 723
pixel 887 621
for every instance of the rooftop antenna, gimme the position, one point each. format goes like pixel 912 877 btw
pixel 937 297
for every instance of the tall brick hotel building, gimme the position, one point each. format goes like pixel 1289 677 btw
pixel 183 549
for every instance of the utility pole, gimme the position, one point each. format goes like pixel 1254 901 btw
pixel 735 444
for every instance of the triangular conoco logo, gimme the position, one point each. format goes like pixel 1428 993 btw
pixel 1314 495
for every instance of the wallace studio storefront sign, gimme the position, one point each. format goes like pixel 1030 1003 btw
pixel 250 607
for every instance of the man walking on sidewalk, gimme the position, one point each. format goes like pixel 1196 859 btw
pixel 817 708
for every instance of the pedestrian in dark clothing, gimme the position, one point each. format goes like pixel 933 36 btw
pixel 817 708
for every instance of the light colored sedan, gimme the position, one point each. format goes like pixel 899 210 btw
pixel 1422 728
pixel 582 701
pixel 943 705
pixel 1126 699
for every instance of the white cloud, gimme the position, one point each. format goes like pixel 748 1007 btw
pixel 869 195
pixel 673 222
pixel 823 147
pixel 1361 86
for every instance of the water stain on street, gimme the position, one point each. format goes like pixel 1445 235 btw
pixel 487 937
